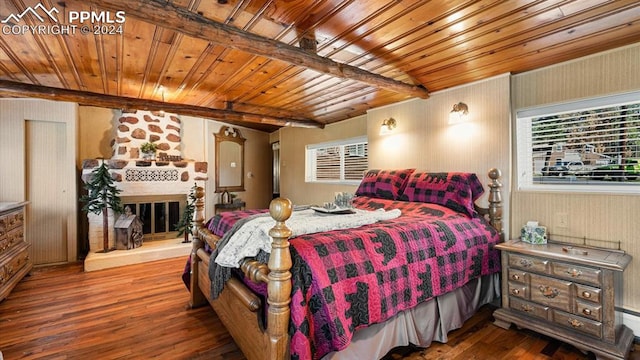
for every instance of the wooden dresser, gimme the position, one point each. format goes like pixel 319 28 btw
pixel 14 251
pixel 566 292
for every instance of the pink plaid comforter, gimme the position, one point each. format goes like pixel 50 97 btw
pixel 347 279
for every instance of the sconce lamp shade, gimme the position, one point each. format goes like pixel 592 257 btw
pixel 459 113
pixel 387 125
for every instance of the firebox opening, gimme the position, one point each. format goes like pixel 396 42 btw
pixel 159 213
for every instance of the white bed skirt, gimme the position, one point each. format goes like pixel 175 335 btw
pixel 429 321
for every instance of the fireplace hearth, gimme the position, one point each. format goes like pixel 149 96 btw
pixel 155 190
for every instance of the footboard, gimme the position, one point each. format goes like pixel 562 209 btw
pixel 238 308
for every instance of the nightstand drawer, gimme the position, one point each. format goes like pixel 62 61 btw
pixel 577 273
pixel 553 292
pixel 531 309
pixel 588 293
pixel 589 310
pixel 517 276
pixel 578 323
pixel 518 289
pixel 528 263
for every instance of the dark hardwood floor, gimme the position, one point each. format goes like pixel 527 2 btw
pixel 139 312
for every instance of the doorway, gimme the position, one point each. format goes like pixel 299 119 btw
pixel 275 150
pixel 46 190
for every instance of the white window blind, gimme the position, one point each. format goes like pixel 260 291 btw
pixel 338 161
pixel 593 143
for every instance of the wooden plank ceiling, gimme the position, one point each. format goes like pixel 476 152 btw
pixel 267 64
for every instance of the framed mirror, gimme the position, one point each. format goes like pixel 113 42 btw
pixel 229 160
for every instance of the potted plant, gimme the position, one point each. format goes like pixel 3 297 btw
pixel 148 150
pixel 102 195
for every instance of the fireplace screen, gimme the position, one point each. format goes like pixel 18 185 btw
pixel 158 213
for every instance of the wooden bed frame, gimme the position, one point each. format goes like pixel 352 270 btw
pixel 241 310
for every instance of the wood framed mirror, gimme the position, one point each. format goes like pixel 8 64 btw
pixel 229 160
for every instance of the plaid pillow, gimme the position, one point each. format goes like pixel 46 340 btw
pixel 457 191
pixel 384 184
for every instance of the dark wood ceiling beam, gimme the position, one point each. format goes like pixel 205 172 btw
pixel 16 90
pixel 183 21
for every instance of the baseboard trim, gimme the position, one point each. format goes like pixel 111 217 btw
pixel 632 320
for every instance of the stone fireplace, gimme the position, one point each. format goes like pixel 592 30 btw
pixel 155 189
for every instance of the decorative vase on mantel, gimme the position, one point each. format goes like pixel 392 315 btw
pixel 149 155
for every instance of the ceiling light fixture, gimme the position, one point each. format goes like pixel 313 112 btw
pixel 459 113
pixel 387 125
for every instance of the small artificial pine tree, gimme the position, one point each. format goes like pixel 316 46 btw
pixel 185 225
pixel 102 195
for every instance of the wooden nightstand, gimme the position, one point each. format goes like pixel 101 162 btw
pixel 566 292
pixel 237 205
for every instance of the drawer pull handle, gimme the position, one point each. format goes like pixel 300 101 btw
pixel 548 291
pixel 526 263
pixel 527 308
pixel 515 291
pixel 574 272
pixel 575 323
pixel 586 294
pixel 515 277
pixel 586 311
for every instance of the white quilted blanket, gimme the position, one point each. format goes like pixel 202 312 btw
pixel 253 236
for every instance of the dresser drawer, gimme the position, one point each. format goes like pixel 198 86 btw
pixel 516 275
pixel 588 293
pixel 577 273
pixel 10 265
pixel 528 263
pixel 12 238
pixel 10 221
pixel 589 310
pixel 578 323
pixel 15 237
pixel 518 289
pixel 531 309
pixel 552 292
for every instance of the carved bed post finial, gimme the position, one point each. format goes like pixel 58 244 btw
pixel 196 296
pixel 495 201
pixel 279 286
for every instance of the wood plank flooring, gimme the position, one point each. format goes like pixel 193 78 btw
pixel 139 312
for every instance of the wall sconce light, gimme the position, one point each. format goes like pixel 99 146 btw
pixel 387 125
pixel 459 113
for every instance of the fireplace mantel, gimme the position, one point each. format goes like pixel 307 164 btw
pixel 138 177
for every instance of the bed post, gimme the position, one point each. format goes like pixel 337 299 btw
pixel 196 298
pixel 279 286
pixel 495 201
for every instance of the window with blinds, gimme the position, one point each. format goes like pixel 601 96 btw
pixel 342 161
pixel 590 143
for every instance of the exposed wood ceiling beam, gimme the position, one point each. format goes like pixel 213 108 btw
pixel 181 20
pixel 16 89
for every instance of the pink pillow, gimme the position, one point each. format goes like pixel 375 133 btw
pixel 455 190
pixel 384 184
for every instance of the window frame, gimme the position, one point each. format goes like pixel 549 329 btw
pixel 524 145
pixel 310 160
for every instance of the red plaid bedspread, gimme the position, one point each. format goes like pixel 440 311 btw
pixel 347 279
